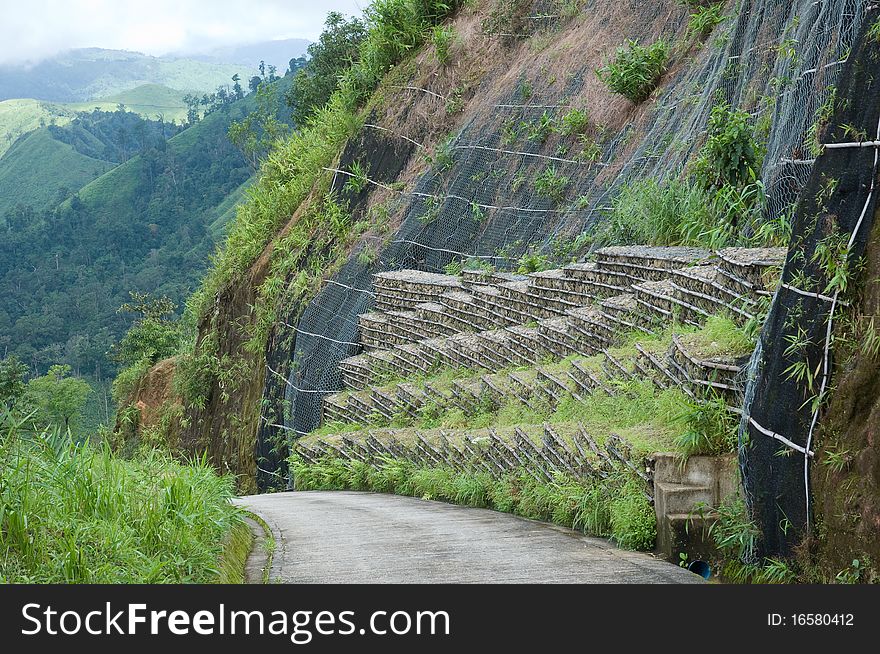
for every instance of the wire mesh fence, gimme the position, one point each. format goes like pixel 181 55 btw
pixel 503 185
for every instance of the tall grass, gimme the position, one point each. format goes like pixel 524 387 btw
pixel 614 507
pixel 685 212
pixel 76 514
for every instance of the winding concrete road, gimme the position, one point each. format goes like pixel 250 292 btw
pixel 348 537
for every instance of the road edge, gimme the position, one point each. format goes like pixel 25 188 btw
pixel 261 559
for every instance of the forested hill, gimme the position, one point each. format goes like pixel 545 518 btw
pixel 45 166
pixel 82 231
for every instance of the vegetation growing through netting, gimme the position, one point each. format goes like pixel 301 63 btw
pixel 636 69
pixel 704 19
pixel 719 202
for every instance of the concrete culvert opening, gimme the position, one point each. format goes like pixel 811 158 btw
pixel 701 568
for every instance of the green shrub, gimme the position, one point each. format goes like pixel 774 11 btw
pixel 533 262
pixel 635 69
pixel 155 334
pixel 731 156
pixel 874 31
pixel 433 483
pixel 734 532
pixel 472 489
pixel 704 20
pixel 647 211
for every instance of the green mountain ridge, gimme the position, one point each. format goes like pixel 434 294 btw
pixel 31 157
pixel 20 116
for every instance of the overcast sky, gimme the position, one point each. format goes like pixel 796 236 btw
pixel 31 30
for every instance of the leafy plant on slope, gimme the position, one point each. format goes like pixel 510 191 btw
pixel 635 69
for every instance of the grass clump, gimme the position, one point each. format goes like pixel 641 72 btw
pixel 635 69
pixel 443 39
pixel 236 549
pixel 684 212
pixel 648 211
pixel 575 121
pixel 76 514
pixel 633 522
pixel 704 20
pixel 711 428
pixel 720 335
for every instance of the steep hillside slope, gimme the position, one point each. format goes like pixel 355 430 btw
pixel 499 145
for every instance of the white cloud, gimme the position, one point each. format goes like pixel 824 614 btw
pixel 36 29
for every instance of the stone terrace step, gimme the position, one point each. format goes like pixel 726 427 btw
pixel 508 320
pixel 472 278
pixel 379 332
pixel 707 288
pixel 643 263
pixel 405 289
pixel 721 374
pixel 464 312
pixel 753 269
pixel 516 301
pixel 663 304
pixel 598 282
pixel 686 364
pixel 564 290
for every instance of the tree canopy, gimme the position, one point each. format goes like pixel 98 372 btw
pixel 335 51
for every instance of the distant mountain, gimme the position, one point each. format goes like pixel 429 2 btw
pixel 79 229
pixel 278 53
pixel 87 73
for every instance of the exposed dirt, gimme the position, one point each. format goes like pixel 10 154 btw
pixel 153 392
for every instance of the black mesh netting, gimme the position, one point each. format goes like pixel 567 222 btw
pixel 484 204
pixel 791 367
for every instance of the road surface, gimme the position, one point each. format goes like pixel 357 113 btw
pixel 349 537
